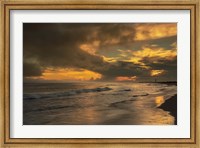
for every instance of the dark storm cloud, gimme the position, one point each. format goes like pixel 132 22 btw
pixel 31 69
pixel 122 68
pixel 57 45
pixel 169 66
pixel 110 34
pixel 129 69
pixel 161 63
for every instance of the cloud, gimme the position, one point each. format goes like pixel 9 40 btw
pixel 155 53
pixel 168 68
pixel 124 69
pixel 157 72
pixel 31 69
pixel 113 50
pixel 57 45
pixel 154 31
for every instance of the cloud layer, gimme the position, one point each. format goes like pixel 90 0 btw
pixel 127 51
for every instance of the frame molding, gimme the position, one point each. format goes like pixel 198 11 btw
pixel 7 5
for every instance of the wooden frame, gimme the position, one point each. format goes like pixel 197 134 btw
pixel 7 5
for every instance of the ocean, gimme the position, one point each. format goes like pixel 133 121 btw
pixel 96 103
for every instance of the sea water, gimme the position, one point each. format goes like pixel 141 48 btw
pixel 96 103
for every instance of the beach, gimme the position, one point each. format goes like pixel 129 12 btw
pixel 171 106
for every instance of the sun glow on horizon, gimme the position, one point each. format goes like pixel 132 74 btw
pixel 68 74
pixel 124 78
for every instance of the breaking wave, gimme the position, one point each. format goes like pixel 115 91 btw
pixel 62 94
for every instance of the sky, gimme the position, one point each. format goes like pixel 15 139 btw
pixel 138 52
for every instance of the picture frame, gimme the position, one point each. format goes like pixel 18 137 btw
pixel 7 6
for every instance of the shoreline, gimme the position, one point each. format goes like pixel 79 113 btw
pixel 168 83
pixel 171 106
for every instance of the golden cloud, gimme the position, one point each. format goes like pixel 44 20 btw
pixel 108 59
pixel 68 74
pixel 155 52
pixel 90 48
pixel 154 31
pixel 157 72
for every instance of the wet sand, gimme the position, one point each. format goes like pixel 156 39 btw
pixel 171 106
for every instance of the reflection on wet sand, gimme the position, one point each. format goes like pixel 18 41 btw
pixel 88 113
pixel 159 100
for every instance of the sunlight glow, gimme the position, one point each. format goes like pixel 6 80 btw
pixel 157 72
pixel 108 59
pixel 155 53
pixel 159 100
pixel 154 31
pixel 90 48
pixel 122 78
pixel 68 74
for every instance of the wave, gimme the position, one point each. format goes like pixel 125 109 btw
pixel 63 94
pixel 141 95
pixel 126 90
pixel 115 104
pixel 48 108
pixel 134 98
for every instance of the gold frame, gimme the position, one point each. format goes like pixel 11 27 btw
pixel 7 5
